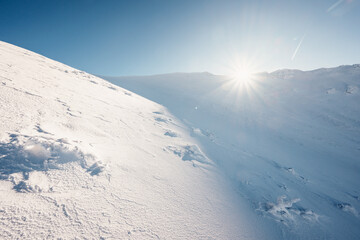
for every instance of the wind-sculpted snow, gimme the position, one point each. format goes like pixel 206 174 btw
pixel 81 158
pixel 289 141
pixel 24 154
pixel 288 212
pixel 190 153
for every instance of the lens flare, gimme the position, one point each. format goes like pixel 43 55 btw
pixel 242 82
pixel 242 74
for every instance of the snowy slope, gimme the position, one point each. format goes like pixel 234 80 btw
pixel 289 141
pixel 82 158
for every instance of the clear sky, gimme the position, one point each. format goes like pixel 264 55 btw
pixel 160 36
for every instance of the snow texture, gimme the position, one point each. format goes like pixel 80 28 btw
pixel 288 141
pixel 81 158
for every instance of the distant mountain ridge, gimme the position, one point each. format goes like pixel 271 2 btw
pixel 285 70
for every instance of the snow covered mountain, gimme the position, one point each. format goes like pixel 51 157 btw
pixel 277 157
pixel 289 141
pixel 82 158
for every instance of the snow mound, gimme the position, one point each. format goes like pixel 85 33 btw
pixel 81 158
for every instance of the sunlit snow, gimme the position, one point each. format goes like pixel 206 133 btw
pixel 289 141
pixel 177 156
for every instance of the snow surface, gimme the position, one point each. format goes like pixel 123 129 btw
pixel 288 141
pixel 82 158
pixel 274 158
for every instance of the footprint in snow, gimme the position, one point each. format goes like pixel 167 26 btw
pixel 40 130
pixel 287 211
pixel 171 133
pixel 190 153
pixel 352 90
pixel 96 169
pixel 158 113
pixel 159 119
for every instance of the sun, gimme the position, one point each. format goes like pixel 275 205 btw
pixel 242 70
pixel 242 79
pixel 242 74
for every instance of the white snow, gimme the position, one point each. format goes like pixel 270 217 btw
pixel 289 141
pixel 82 158
pixel 274 158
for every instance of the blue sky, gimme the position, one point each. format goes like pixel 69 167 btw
pixel 161 36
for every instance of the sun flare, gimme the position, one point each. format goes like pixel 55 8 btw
pixel 242 74
pixel 242 78
pixel 242 70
